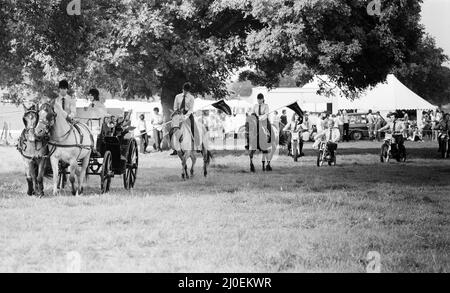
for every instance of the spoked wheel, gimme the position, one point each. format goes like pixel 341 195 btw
pixel 319 159
pixel 384 154
pixel 131 167
pixel 332 162
pixel 444 149
pixel 106 173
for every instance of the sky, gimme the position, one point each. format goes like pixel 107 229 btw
pixel 436 19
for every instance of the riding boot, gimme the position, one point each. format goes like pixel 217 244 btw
pixel 269 131
pixel 301 148
pixel 264 166
pixel 247 139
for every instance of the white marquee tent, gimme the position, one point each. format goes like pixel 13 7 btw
pixel 389 96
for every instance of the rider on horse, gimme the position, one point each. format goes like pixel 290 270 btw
pixel 184 103
pixel 261 111
pixel 65 100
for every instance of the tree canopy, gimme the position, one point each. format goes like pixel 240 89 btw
pixel 139 47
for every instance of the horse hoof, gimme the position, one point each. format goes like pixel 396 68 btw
pixel 269 168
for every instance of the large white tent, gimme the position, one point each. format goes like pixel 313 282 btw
pixel 388 96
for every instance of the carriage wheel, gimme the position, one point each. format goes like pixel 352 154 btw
pixel 106 173
pixel 131 168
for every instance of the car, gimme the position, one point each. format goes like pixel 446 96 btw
pixel 358 125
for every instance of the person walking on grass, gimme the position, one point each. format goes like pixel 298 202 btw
pixel 142 127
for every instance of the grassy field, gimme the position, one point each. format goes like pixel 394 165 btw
pixel 299 218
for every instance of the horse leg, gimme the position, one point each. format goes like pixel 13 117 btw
pixel 252 167
pixel 206 160
pixel 183 163
pixel 55 168
pixel 82 178
pixel 40 178
pixel 194 160
pixel 72 169
pixel 29 179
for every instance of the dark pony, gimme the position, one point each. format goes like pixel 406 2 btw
pixel 34 152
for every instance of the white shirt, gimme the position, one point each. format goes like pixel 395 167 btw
pixel 261 110
pixel 142 126
pixel 332 135
pixel 189 103
pixel 157 122
pixel 68 105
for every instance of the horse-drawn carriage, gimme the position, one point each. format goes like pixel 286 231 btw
pixel 116 152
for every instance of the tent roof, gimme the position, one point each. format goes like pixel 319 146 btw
pixel 388 96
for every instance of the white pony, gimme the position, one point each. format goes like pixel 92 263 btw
pixel 69 143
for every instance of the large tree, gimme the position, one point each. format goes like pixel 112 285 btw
pixel 424 73
pixel 138 47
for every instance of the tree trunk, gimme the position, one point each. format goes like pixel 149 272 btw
pixel 170 89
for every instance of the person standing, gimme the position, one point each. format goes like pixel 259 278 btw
pixel 261 109
pixel 157 123
pixel 340 124
pixel 370 124
pixel 142 127
pixel 346 127
pixel 65 100
pixel 378 125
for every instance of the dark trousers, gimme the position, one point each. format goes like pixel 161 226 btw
pixel 144 142
pixel 194 132
pixel 157 136
pixel 346 132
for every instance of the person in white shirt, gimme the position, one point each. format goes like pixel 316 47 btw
pixel 297 126
pixel 65 101
pixel 371 124
pixel 330 135
pixel 346 120
pixel 157 123
pixel 261 110
pixel 184 102
pixel 142 127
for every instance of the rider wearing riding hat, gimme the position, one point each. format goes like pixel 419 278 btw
pixel 65 101
pixel 396 128
pixel 184 103
pixel 261 110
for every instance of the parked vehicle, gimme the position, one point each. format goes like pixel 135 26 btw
pixel 358 125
